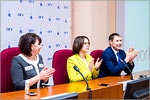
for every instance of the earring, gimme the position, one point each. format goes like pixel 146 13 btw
pixel 32 48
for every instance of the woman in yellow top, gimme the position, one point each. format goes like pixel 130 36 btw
pixel 83 61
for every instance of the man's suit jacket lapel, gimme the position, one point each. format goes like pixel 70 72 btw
pixel 121 55
pixel 113 55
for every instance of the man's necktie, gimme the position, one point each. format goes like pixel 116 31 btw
pixel 118 57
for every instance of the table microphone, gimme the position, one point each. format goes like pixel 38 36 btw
pixel 77 69
pixel 127 67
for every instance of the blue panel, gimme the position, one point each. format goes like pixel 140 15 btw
pixel 137 31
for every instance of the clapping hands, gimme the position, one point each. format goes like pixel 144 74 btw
pixel 91 65
pixel 97 64
pixel 130 55
pixel 46 73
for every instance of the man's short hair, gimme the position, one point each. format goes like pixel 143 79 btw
pixel 111 37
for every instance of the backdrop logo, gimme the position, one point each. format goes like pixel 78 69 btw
pixel 144 55
pixel 49 19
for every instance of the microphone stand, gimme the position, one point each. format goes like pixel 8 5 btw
pixel 89 89
pixel 85 81
pixel 127 67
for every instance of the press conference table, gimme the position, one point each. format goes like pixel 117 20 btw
pixel 114 91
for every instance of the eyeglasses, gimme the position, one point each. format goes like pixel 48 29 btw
pixel 37 44
pixel 85 43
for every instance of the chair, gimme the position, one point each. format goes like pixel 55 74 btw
pixel 6 59
pixel 96 53
pixel 60 64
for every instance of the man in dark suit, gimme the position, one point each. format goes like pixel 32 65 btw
pixel 111 66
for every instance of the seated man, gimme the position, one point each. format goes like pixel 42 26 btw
pixel 111 66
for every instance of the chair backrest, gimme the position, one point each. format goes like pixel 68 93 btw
pixel 60 64
pixel 96 53
pixel 6 59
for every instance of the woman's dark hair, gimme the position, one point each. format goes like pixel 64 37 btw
pixel 78 43
pixel 26 41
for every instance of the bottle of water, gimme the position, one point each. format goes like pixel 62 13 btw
pixel 27 86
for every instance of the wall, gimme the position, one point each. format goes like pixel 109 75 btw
pixel 133 25
pixel 95 19
pixel 98 19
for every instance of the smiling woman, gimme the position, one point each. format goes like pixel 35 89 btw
pixel 27 69
pixel 21 18
pixel 82 60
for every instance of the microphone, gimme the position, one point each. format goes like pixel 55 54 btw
pixel 127 67
pixel 77 69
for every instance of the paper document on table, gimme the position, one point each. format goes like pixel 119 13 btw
pixel 53 96
pixel 125 84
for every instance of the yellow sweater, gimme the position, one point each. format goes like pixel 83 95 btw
pixel 75 76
